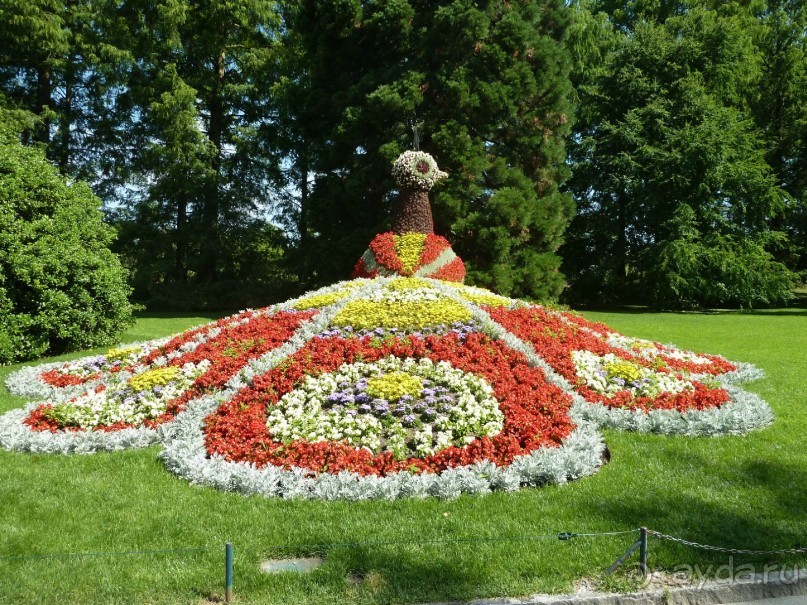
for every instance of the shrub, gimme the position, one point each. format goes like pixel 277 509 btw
pixel 61 289
pixel 693 270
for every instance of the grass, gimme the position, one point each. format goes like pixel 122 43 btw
pixel 746 492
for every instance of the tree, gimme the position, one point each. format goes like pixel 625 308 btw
pixel 61 289
pixel 781 112
pixel 196 101
pixel 486 83
pixel 668 163
pixel 58 62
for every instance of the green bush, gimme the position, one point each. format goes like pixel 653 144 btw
pixel 61 289
pixel 691 270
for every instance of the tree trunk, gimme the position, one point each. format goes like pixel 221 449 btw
pixel 180 265
pixel 65 120
pixel 303 224
pixel 210 211
pixel 622 243
pixel 43 101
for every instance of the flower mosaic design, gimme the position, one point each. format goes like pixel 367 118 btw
pixel 386 387
pixel 416 169
pixel 405 406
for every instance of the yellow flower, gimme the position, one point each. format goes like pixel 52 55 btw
pixel 394 385
pixel 121 353
pixel 480 296
pixel 409 247
pixel 408 283
pixel 623 369
pixel 152 378
pixel 365 314
pixel 323 300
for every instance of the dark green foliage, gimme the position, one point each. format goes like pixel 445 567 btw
pixel 781 111
pixel 487 83
pixel 243 148
pixel 691 270
pixel 666 146
pixel 61 289
pixel 194 230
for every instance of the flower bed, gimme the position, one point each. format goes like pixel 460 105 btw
pixel 603 374
pixel 140 397
pixel 394 386
pixel 535 412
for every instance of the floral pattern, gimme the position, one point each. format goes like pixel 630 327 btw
pixel 385 387
pixel 410 254
pixel 416 169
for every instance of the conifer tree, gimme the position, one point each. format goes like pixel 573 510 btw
pixel 781 112
pixel 487 85
pixel 675 196
pixel 196 103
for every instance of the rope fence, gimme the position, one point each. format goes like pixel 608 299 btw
pixel 641 544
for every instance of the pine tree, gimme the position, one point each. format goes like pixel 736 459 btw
pixel 487 85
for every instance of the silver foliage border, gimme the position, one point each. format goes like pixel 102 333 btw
pixel 26 381
pixel 185 454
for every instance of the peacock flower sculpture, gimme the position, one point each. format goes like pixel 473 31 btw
pixel 401 382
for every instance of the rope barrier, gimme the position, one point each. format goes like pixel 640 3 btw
pixel 735 551
pixel 563 536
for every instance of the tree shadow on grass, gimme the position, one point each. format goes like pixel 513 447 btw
pixel 705 521
pixel 389 574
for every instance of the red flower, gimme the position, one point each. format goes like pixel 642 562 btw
pixel 60 380
pixel 535 411
pixel 229 351
pixel 383 248
pixel 554 339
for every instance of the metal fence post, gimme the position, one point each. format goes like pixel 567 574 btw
pixel 643 550
pixel 228 572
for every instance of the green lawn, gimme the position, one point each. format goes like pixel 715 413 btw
pixel 736 491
